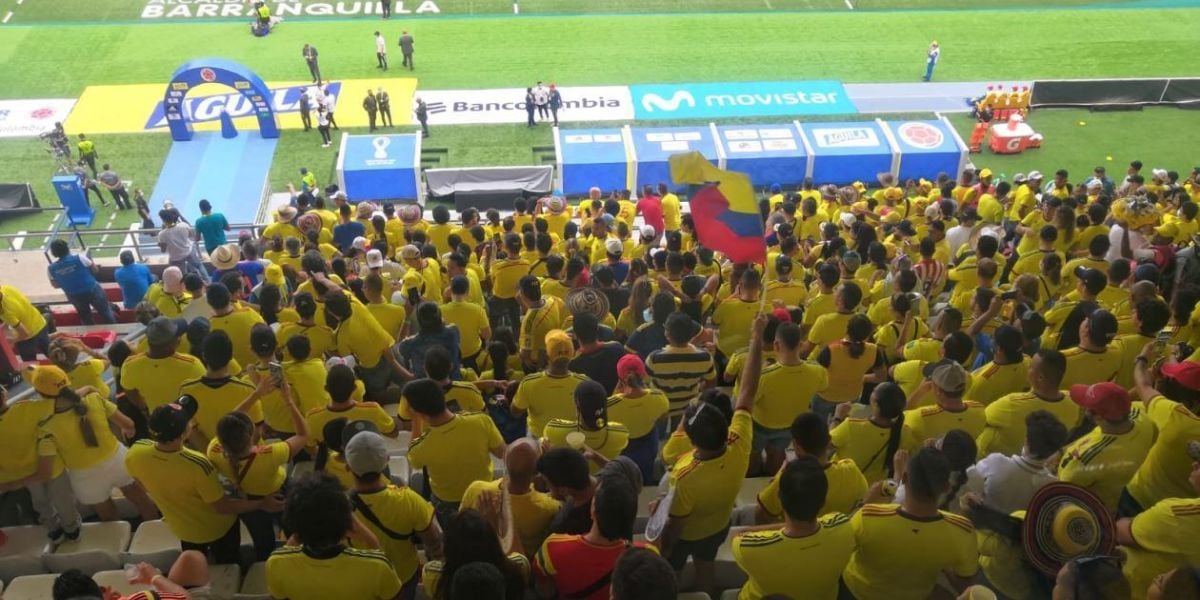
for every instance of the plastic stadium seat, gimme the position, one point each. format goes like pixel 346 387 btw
pixel 391 409
pixel 647 495
pixel 112 291
pixel 748 495
pixel 98 548
pixel 254 586
pixel 22 553
pixel 398 465
pixel 30 587
pixel 153 543
pixel 301 468
pixel 693 596
pixel 398 446
pixel 65 316
pixel 730 594
pixel 118 581
pixel 125 509
pixel 223 583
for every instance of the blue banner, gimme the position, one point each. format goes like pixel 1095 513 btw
pixel 724 100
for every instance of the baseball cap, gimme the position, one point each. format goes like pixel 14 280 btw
pixel 559 345
pixel 1103 323
pixel 951 378
pixel 985 173
pixel 852 260
pixel 906 227
pixel 162 330
pixel 613 246
pixel 629 364
pixel 274 275
pixel 648 231
pixel 48 380
pixel 1146 272
pixel 340 360
pixel 1093 279
pixel 1034 175
pixel 1185 373
pixel 366 452
pixel 172 280
pixel 170 421
pixel 410 252
pixel 1019 178
pixel 374 259
pixel 590 400
pixel 359 243
pixel 1108 400
pixel 608 219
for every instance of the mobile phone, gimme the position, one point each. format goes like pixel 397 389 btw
pixel 276 371
pixel 1009 295
pixel 1160 341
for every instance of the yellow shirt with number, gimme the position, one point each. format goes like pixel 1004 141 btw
pixel 184 485
pixel 901 556
pixel 262 476
pixel 456 454
pixel 705 490
pixel 157 379
pixel 403 511
pixel 847 486
pixel 60 435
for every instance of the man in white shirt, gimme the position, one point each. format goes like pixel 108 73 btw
pixel 1007 483
pixel 1138 244
pixel 381 51
pixel 961 234
pixel 329 102
pixel 931 60
pixel 176 239
pixel 541 99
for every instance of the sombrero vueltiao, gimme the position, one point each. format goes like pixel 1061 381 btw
pixel 587 300
pixel 1065 521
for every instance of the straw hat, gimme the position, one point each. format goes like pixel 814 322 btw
pixel 410 213
pixel 225 257
pixel 1064 521
pixel 587 300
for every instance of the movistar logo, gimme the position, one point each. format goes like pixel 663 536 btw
pixel 653 101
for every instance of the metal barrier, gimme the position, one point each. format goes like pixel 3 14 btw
pixel 144 241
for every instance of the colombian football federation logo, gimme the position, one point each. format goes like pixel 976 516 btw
pixel 921 135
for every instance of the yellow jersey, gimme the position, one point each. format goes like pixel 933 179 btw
pixel 1166 535
pixel 402 511
pixel 992 381
pixel 640 414
pixel 184 486
pixel 157 380
pixel 933 422
pixel 733 317
pixel 15 309
pixel 1005 429
pixel 898 555
pixel 320 339
pixel 828 328
pixel 847 486
pixel 238 325
pixel 390 316
pixel 363 337
pixel 608 441
pixel 785 391
pixel 60 434
pixel 865 443
pixel 358 411
pixel 351 573
pixel 778 564
pixel 544 397
pixel 471 319
pixel 1105 462
pixel 18 438
pixel 531 511
pixel 262 474
pixel 307 380
pixel 1164 473
pixel 456 454
pixel 216 398
pixel 89 373
pixel 705 490
pixel 506 274
pixel 1088 367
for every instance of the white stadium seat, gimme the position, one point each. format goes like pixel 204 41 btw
pixel 98 548
pixel 254 587
pixel 22 553
pixel 30 587
pixel 153 543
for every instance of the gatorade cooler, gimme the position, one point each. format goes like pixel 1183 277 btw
pixel 1012 136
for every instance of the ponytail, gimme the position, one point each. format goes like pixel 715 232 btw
pixel 857 331
pixel 960 450
pixel 80 409
pixel 498 353
pixel 890 400
pixel 235 432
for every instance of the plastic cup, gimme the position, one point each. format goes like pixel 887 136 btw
pixel 576 439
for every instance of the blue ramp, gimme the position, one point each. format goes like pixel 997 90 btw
pixel 231 174
pixel 591 157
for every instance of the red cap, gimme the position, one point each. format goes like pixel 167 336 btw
pixel 1186 373
pixel 783 315
pixel 630 363
pixel 1108 400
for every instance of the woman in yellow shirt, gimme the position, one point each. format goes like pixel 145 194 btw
pixel 640 409
pixel 78 433
pixel 851 362
pixel 871 443
pixel 633 315
pixel 64 354
pixel 257 470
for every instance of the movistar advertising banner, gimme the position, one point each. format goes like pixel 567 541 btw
pixel 724 100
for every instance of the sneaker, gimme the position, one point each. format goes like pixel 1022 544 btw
pixel 56 535
pixel 73 536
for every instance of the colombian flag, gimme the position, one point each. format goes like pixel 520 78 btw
pixel 723 208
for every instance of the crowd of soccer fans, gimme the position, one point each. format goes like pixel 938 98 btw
pixel 953 388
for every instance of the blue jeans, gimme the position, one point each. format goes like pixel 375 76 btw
pixel 824 408
pixel 643 451
pixel 929 70
pixel 85 302
pixel 191 264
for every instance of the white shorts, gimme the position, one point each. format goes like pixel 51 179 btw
pixel 94 485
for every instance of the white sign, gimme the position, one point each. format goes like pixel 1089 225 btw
pixel 741 134
pixel 608 138
pixel 846 137
pixel 746 146
pixel 214 9
pixel 687 136
pixel 469 107
pixel 674 146
pixel 659 137
pixel 778 145
pixel 29 118
pixel 578 139
pixel 777 134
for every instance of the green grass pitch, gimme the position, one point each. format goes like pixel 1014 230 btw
pixel 55 48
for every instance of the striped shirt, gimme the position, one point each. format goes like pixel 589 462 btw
pixel 678 373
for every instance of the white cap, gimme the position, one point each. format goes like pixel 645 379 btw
pixel 1095 184
pixel 340 360
pixel 374 259
pixel 613 246
pixel 1159 173
pixel 360 243
pixel 648 231
pixel 1034 175
pixel 848 219
pixel 932 211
